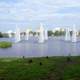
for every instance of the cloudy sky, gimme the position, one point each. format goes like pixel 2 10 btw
pixel 30 13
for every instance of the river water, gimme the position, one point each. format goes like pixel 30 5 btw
pixel 55 46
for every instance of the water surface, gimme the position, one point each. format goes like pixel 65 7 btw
pixel 56 46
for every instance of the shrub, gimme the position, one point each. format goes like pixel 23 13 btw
pixel 5 44
pixel 47 57
pixel 23 57
pixel 40 63
pixel 69 59
pixel 30 61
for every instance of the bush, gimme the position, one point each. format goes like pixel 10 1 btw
pixel 5 44
pixel 30 61
pixel 23 57
pixel 40 63
pixel 50 33
pixel 47 57
pixel 69 59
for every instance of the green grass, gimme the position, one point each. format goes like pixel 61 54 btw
pixel 52 68
pixel 4 44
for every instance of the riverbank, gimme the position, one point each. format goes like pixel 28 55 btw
pixel 46 68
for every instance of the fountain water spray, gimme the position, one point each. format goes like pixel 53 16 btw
pixel 41 36
pixel 67 36
pixel 27 34
pixel 46 34
pixel 17 35
pixel 74 37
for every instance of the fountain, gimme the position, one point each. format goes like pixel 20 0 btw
pixel 27 34
pixel 74 37
pixel 67 36
pixel 17 35
pixel 41 35
pixel 46 34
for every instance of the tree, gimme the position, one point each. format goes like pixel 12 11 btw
pixel 1 35
pixel 50 33
pixel 59 33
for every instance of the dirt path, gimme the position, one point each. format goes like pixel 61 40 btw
pixel 57 73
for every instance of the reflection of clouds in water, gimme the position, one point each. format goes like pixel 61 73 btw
pixel 18 49
pixel 66 48
pixel 22 48
pixel 27 47
pixel 70 49
pixel 42 49
pixel 56 48
pixel 74 49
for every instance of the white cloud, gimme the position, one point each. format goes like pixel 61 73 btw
pixel 37 9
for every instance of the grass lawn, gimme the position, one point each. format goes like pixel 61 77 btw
pixel 46 68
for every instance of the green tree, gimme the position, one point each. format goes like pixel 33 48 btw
pixel 59 33
pixel 50 33
pixel 1 35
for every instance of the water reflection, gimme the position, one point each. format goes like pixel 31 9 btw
pixel 74 49
pixel 53 47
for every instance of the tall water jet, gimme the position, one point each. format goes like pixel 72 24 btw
pixel 17 35
pixel 67 36
pixel 74 37
pixel 27 34
pixel 41 35
pixel 46 34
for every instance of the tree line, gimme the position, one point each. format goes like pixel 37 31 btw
pixel 50 33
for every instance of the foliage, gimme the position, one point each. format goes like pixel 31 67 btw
pixel 59 33
pixel 1 35
pixel 5 44
pixel 50 33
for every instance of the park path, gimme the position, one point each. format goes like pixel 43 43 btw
pixel 57 73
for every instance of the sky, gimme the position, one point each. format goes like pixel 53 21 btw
pixel 30 13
